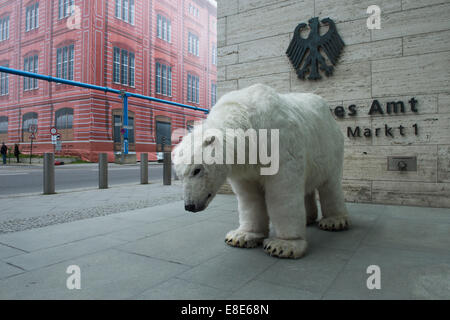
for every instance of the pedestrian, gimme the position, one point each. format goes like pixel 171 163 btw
pixel 16 152
pixel 4 151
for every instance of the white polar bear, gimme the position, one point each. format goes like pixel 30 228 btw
pixel 311 148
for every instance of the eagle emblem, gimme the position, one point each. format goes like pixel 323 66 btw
pixel 305 55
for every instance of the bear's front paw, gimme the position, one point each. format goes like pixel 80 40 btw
pixel 243 239
pixel 280 248
pixel 334 223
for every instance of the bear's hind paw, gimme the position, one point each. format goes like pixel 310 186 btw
pixel 292 249
pixel 243 239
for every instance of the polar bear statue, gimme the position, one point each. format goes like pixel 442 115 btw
pixel 310 157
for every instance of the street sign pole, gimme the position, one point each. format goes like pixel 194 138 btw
pixel 31 151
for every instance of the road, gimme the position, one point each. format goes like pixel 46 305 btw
pixel 28 179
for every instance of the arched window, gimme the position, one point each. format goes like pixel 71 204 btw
pixel 29 120
pixel 3 129
pixel 64 118
pixel 64 123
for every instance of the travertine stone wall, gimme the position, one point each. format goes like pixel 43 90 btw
pixel 408 57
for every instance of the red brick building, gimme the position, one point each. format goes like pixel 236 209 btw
pixel 161 48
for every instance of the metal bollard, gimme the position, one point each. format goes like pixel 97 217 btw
pixel 103 171
pixel 144 168
pixel 49 173
pixel 167 170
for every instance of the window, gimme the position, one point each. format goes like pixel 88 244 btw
pixel 64 123
pixel 64 62
pixel 3 124
pixel 123 68
pixel 65 8
pixel 4 83
pixel 213 94
pixel 124 10
pixel 214 55
pixel 30 64
pixel 131 131
pixel 193 89
pixel 193 10
pixel 193 44
pixel 32 17
pixel 131 78
pixel 163 28
pixel 163 79
pixel 3 128
pixel 4 28
pixel 30 118
pixel 64 118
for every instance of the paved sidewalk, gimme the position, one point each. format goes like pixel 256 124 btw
pixel 30 211
pixel 160 251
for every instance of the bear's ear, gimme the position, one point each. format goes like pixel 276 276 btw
pixel 208 140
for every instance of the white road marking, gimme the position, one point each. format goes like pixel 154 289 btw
pixel 13 173
pixel 118 169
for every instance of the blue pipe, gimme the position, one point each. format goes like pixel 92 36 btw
pixel 125 122
pixel 94 87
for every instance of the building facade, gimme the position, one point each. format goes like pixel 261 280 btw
pixel 390 90
pixel 166 49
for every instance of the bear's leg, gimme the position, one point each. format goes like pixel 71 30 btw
pixel 311 208
pixel 334 211
pixel 253 219
pixel 288 216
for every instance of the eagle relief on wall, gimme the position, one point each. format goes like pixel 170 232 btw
pixel 305 54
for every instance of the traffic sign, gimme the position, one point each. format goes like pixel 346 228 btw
pixel 53 131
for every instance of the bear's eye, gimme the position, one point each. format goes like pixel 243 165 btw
pixel 196 172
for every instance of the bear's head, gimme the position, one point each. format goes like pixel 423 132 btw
pixel 201 180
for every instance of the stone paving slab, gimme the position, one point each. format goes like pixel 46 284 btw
pixel 410 234
pixel 51 236
pixel 229 271
pixel 190 245
pixel 109 274
pixel 179 289
pixel 7 270
pixel 262 290
pixel 405 274
pixel 319 267
pixel 49 256
pixel 163 252
pixel 6 251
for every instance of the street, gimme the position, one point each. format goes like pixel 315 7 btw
pixel 29 179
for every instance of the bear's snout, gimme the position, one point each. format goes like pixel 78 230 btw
pixel 190 207
pixel 194 208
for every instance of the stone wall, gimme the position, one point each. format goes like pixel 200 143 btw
pixel 408 57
